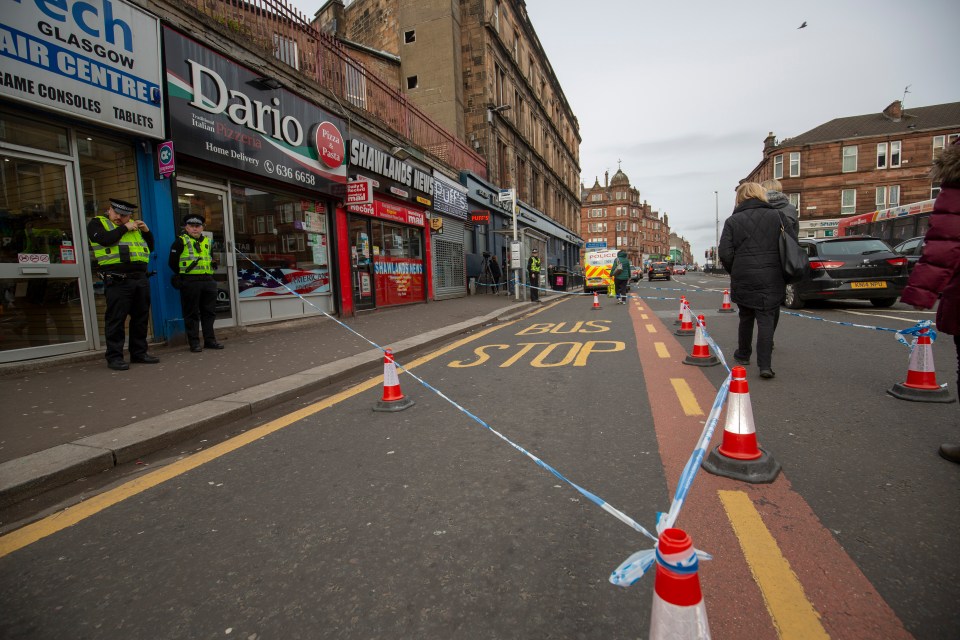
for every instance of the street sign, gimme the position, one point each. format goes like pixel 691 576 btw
pixel 506 195
pixel 596 245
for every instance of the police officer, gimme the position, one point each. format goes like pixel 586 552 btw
pixel 191 259
pixel 121 248
pixel 533 273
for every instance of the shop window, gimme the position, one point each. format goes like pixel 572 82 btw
pixel 30 133
pixel 294 252
pixel 109 170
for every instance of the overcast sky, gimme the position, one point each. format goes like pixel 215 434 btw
pixel 683 93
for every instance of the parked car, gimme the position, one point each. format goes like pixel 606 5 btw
pixel 853 267
pixel 912 249
pixel 658 271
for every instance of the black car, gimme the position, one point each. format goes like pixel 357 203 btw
pixel 912 249
pixel 854 267
pixel 658 271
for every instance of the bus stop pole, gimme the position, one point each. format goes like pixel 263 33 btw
pixel 513 211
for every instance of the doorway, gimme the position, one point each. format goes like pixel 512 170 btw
pixel 211 202
pixel 41 306
pixel 361 263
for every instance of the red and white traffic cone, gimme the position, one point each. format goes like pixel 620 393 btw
pixel 393 399
pixel 725 307
pixel 686 323
pixel 701 356
pixel 739 457
pixel 596 301
pixel 678 611
pixel 683 303
pixel 921 384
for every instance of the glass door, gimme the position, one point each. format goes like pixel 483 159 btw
pixel 211 203
pixel 362 251
pixel 40 303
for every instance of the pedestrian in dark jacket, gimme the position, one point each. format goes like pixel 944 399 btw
pixel 496 273
pixel 621 279
pixel 750 252
pixel 779 200
pixel 938 271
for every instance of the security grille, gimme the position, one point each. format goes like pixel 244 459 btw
pixel 449 277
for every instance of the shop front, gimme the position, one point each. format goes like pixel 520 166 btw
pixel 388 240
pixel 264 167
pixel 448 228
pixel 70 140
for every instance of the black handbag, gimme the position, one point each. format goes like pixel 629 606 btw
pixel 793 260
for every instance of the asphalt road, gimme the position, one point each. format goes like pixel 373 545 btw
pixel 341 522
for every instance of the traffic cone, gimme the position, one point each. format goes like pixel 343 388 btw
pixel 393 399
pixel 701 356
pixel 921 384
pixel 678 611
pixel 725 307
pixel 596 301
pixel 683 303
pixel 739 457
pixel 686 325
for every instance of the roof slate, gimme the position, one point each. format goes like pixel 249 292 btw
pixel 941 116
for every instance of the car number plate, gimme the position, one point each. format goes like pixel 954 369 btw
pixel 868 285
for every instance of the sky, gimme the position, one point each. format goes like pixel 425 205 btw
pixel 682 94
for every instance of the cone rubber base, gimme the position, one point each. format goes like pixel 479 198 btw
pixel 684 332
pixel 394 405
pixel 702 362
pixel 903 392
pixel 762 470
pixel 725 310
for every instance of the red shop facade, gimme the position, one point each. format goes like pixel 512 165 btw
pixel 386 260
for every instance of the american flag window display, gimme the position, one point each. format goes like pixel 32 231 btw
pixel 286 247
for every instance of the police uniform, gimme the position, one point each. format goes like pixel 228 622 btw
pixel 191 259
pixel 121 257
pixel 533 271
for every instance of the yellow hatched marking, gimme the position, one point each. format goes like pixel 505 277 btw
pixel 661 349
pixel 685 394
pixel 793 615
pixel 651 328
pixel 74 514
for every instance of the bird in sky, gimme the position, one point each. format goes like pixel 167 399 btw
pixel 803 25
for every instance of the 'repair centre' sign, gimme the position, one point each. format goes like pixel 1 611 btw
pixel 96 60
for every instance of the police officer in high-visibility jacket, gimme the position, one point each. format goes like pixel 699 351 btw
pixel 191 260
pixel 121 248
pixel 533 275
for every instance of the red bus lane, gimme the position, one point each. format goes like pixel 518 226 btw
pixel 749 590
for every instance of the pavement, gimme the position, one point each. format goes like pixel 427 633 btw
pixel 67 418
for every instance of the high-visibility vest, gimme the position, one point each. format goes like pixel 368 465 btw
pixel 198 250
pixel 137 249
pixel 534 264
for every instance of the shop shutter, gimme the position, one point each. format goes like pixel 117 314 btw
pixel 449 276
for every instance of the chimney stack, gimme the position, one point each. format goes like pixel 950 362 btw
pixel 606 178
pixel 894 111
pixel 769 142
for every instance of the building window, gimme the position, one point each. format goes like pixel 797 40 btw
pixel 849 159
pixel 848 201
pixel 516 45
pixel 795 164
pixel 934 191
pixel 795 201
pixel 778 166
pixel 895 153
pixel 411 82
pixel 881 200
pixel 938 142
pixel 409 37
pixel 882 155
pixel 285 50
pixel 501 77
pixel 355 87
pixel 895 195
pixel 597 197
pixel 496 15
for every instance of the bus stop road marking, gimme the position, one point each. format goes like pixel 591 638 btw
pixel 651 328
pixel 792 614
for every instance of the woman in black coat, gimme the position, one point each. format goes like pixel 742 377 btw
pixel 750 251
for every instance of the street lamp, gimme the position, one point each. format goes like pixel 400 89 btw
pixel 716 247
